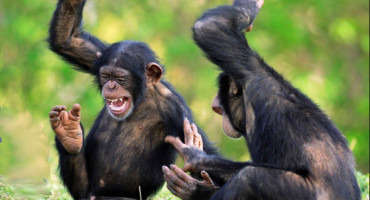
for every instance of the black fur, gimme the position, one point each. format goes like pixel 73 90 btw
pixel 118 157
pixel 296 151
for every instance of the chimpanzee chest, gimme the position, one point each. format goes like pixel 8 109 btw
pixel 127 161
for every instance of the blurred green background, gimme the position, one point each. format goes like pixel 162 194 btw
pixel 321 47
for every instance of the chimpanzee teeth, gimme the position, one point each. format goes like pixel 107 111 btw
pixel 117 108
pixel 115 100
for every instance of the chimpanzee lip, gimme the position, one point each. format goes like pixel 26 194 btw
pixel 118 106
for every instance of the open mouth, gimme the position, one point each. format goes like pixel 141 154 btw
pixel 119 106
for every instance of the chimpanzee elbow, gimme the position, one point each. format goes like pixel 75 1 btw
pixel 205 26
pixel 55 44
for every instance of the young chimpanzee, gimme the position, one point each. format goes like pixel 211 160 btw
pixel 123 154
pixel 296 151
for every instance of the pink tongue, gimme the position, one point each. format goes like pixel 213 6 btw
pixel 118 103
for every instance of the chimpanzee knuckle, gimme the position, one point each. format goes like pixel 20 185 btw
pixel 192 184
pixel 56 108
pixel 52 114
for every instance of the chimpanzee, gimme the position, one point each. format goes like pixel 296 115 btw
pixel 296 151
pixel 123 154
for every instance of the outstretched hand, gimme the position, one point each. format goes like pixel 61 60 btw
pixel 186 187
pixel 192 150
pixel 178 181
pixel 66 126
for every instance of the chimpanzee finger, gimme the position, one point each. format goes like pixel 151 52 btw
pixel 206 177
pixel 59 108
pixel 76 108
pixel 187 167
pixel 54 122
pixel 53 114
pixel 260 3
pixel 172 190
pixel 184 177
pixel 64 117
pixel 188 133
pixel 247 3
pixel 200 142
pixel 74 114
pixel 176 142
pixel 197 137
pixel 171 179
pixel 249 29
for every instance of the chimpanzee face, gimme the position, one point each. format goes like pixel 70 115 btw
pixel 230 104
pixel 123 72
pixel 226 124
pixel 116 92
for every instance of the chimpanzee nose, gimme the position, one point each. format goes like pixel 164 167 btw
pixel 111 85
pixel 216 107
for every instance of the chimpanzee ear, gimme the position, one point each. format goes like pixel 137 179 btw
pixel 153 73
pixel 233 87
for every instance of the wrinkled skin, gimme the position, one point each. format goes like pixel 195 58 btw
pixel 66 126
pixel 178 181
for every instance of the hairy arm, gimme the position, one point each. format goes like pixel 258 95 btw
pixel 220 33
pixel 73 171
pixel 69 140
pixel 67 38
pixel 264 183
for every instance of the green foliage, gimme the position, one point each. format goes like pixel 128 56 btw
pixel 6 192
pixel 59 193
pixel 363 181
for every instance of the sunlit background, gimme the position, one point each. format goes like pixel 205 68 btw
pixel 321 47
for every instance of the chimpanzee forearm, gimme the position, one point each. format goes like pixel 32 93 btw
pixel 73 170
pixel 265 183
pixel 222 170
pixel 67 39
pixel 220 34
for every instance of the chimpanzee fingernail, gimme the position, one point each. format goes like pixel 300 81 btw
pixel 186 119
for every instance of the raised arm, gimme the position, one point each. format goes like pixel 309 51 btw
pixel 69 140
pixel 67 38
pixel 220 33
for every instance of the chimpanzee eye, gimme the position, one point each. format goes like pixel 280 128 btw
pixel 120 80
pixel 103 78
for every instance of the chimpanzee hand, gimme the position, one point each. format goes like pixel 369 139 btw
pixel 192 150
pixel 180 183
pixel 254 5
pixel 66 126
pixel 192 136
pixel 186 187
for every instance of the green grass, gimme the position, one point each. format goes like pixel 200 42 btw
pixel 6 192
pixel 363 181
pixel 58 192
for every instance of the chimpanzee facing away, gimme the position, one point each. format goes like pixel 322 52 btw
pixel 296 151
pixel 125 148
